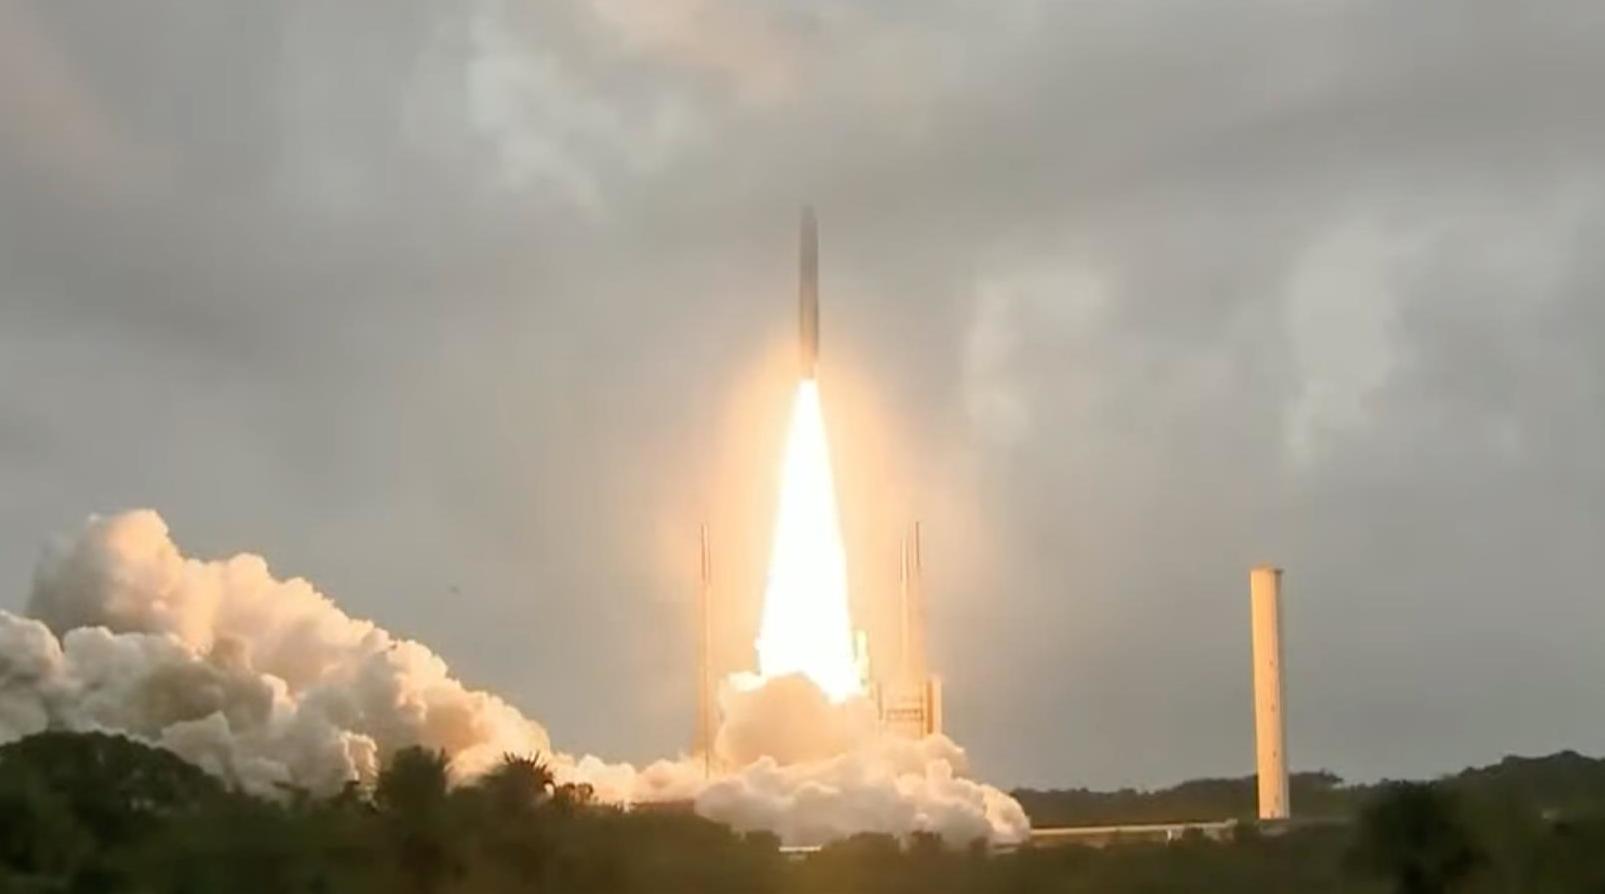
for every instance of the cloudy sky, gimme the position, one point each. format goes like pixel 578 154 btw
pixel 471 312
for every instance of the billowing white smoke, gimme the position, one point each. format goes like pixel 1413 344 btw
pixel 814 770
pixel 789 719
pixel 266 683
pixel 260 680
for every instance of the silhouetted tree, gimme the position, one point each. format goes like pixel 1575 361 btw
pixel 516 786
pixel 504 808
pixel 1413 835
pixel 413 797
pixel 77 805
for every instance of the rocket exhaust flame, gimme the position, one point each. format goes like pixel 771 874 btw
pixel 806 629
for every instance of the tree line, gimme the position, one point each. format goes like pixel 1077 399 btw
pixel 92 812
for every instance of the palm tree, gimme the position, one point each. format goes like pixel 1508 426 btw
pixel 415 782
pixel 412 795
pixel 506 814
pixel 517 785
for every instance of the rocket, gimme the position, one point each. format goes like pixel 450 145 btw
pixel 808 295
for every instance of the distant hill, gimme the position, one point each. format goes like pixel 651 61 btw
pixel 1562 783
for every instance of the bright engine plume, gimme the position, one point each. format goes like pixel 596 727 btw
pixel 806 627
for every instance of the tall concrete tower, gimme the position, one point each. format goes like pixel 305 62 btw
pixel 1270 724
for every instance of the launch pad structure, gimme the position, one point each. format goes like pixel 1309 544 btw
pixel 909 699
pixel 906 695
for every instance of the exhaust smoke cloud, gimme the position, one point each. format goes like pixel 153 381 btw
pixel 267 683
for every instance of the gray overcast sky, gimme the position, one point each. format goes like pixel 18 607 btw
pixel 470 312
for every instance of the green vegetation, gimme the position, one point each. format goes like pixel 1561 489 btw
pixel 101 813
pixel 1563 783
pixel 1314 794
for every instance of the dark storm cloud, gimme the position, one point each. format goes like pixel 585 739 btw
pixel 441 309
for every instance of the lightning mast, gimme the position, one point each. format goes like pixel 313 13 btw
pixel 705 682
